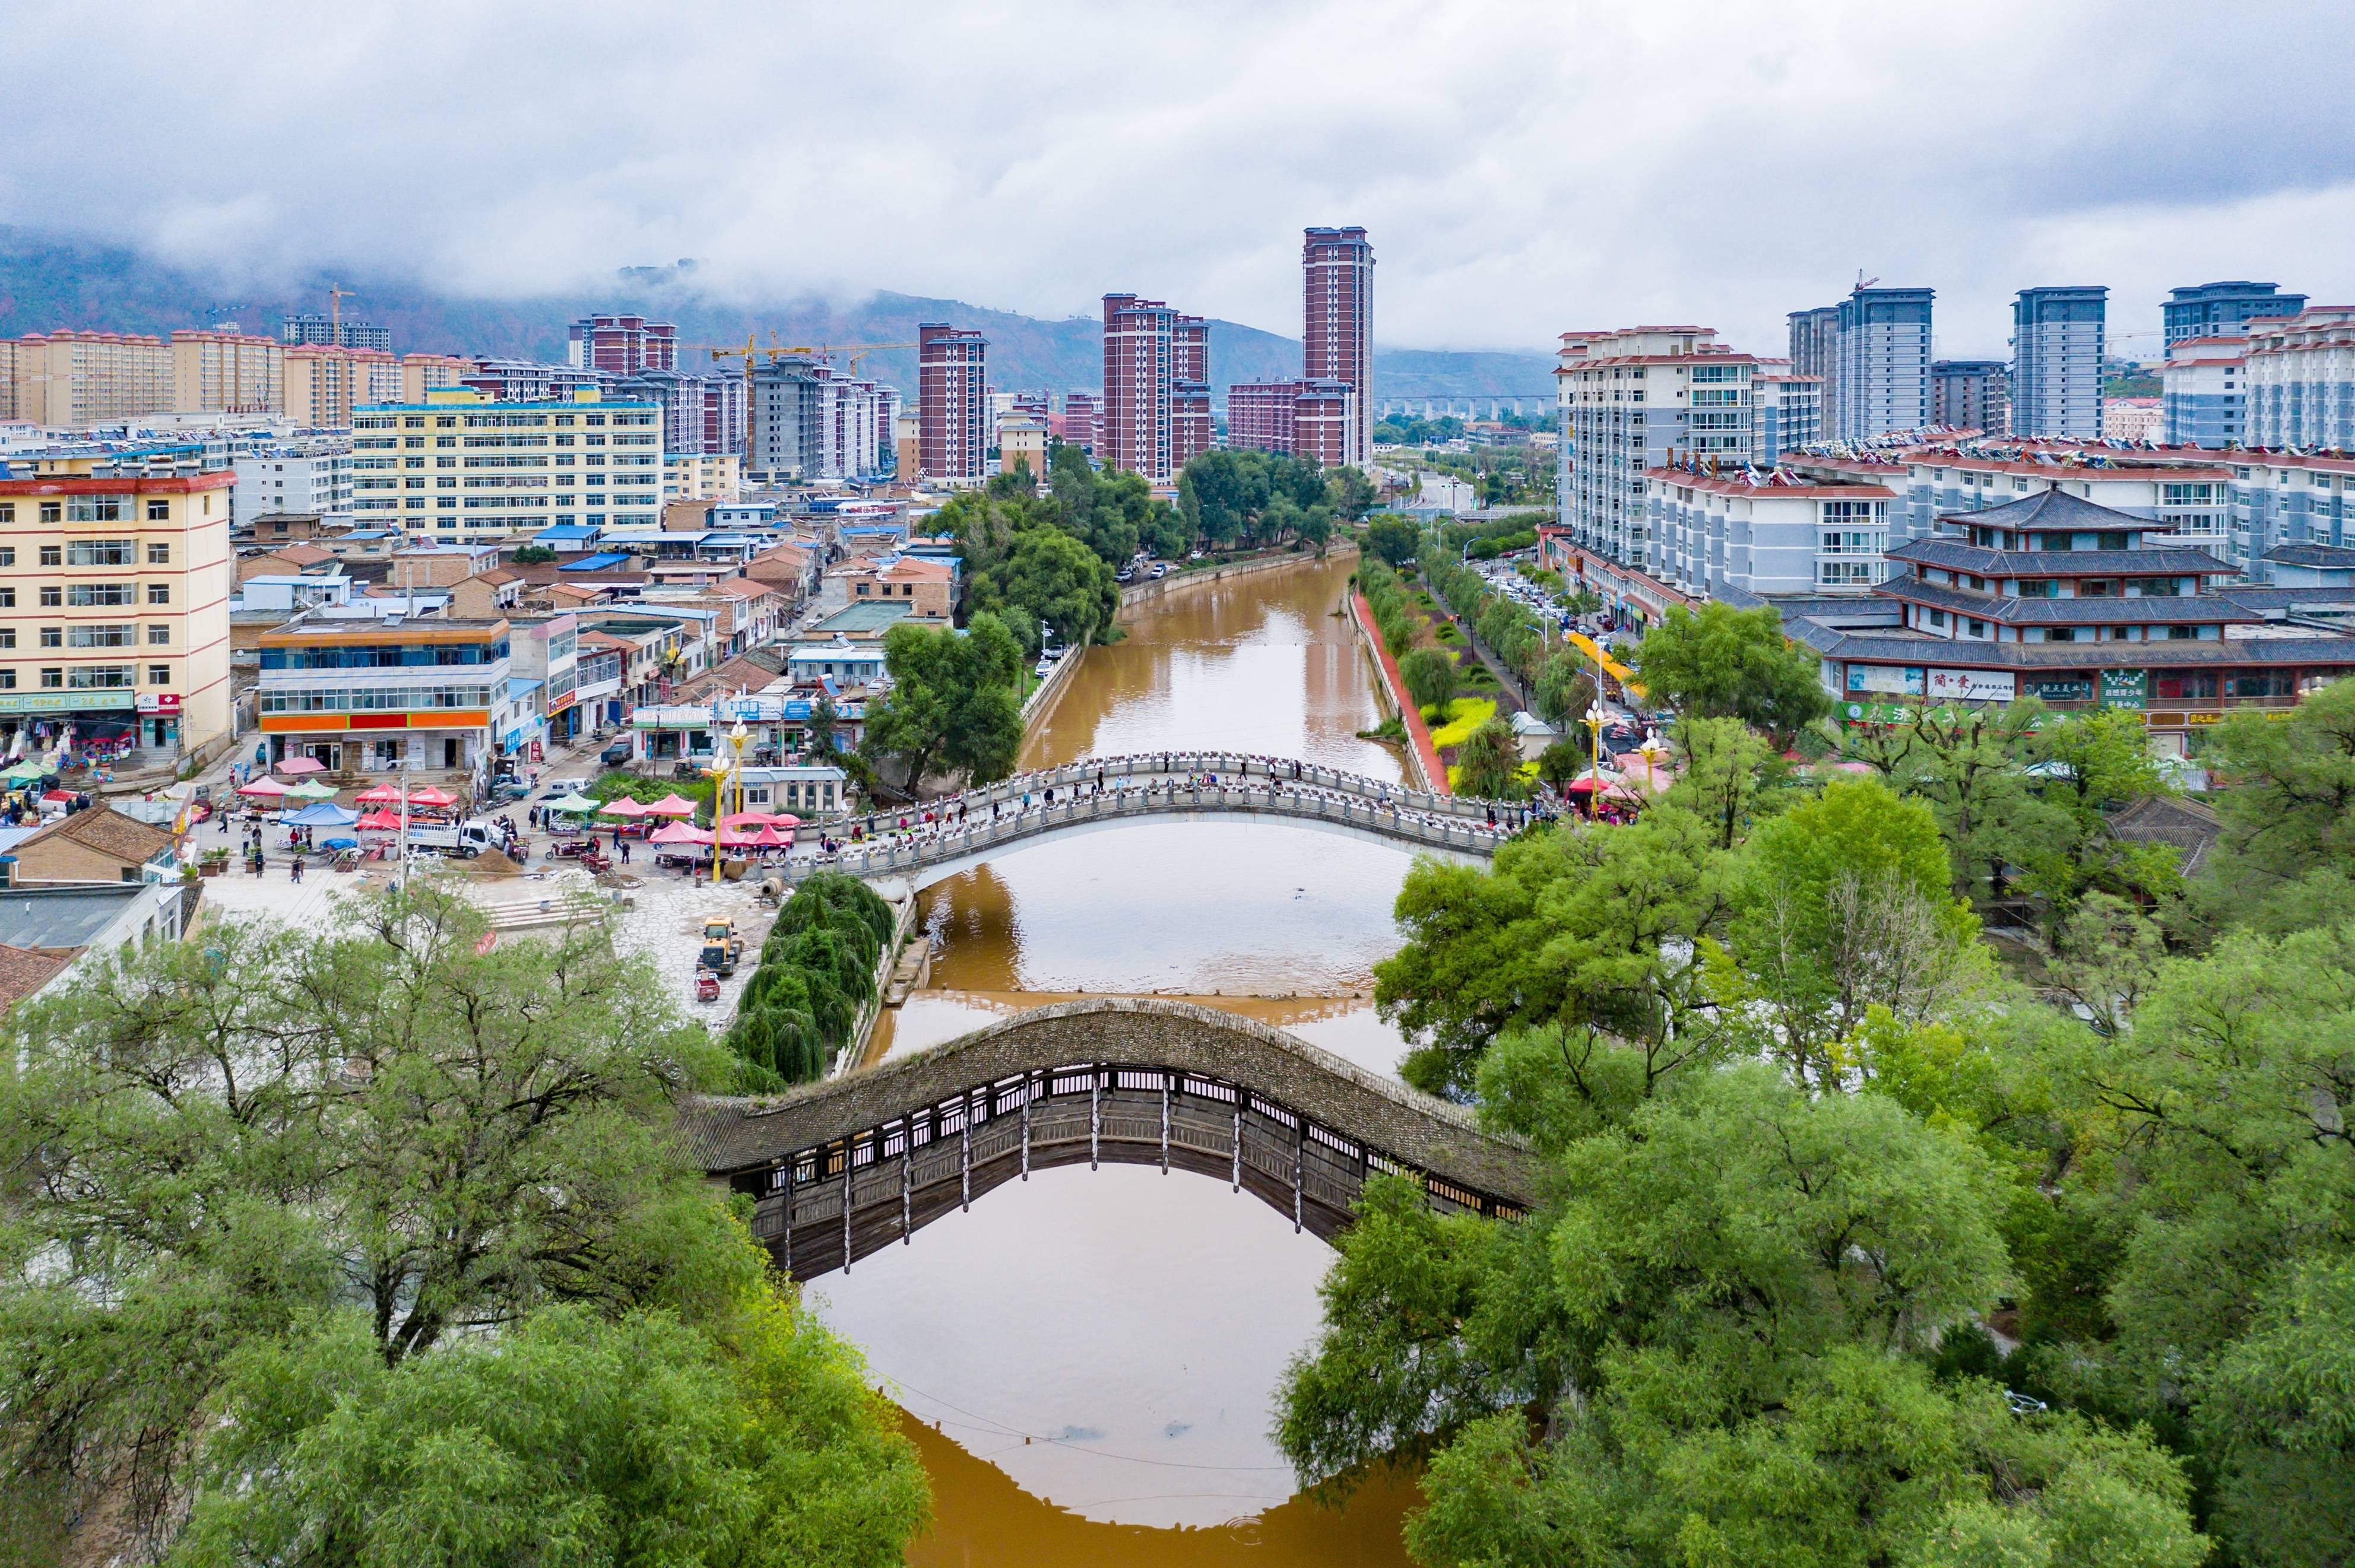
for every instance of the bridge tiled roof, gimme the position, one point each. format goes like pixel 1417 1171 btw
pixel 733 1135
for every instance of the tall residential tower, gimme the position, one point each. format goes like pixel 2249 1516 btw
pixel 2056 361
pixel 1338 329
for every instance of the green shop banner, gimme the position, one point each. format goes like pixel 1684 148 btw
pixel 2125 689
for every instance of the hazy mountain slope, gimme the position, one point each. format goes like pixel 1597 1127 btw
pixel 47 282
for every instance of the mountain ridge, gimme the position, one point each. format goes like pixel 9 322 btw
pixel 49 281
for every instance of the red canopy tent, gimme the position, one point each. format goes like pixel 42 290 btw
pixel 379 795
pixel 264 788
pixel 763 837
pixel 624 807
pixel 758 819
pixel 672 806
pixel 680 833
pixel 428 796
pixel 380 822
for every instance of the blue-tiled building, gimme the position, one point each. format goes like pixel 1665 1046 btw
pixel 2057 343
pixel 2221 310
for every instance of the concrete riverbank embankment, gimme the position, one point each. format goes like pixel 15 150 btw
pixel 1424 769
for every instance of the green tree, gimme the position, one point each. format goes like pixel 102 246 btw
pixel 2286 858
pixel 1052 578
pixel 1970 766
pixel 1722 663
pixel 1489 763
pixel 1727 770
pixel 1564 691
pixel 1393 539
pixel 1349 494
pixel 953 702
pixel 570 1440
pixel 387 1117
pixel 1561 762
pixel 1430 676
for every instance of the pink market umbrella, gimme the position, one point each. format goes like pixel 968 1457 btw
pixel 624 807
pixel 678 833
pixel 765 837
pixel 265 788
pixel 672 806
pixel 758 819
pixel 301 764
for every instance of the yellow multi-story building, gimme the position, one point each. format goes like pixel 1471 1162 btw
pixel 227 373
pixel 115 609
pixel 422 375
pixel 703 476
pixel 466 471
pixel 71 380
pixel 324 384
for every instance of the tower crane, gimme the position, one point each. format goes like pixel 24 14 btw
pixel 335 297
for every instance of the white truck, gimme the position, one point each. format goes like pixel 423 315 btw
pixel 464 839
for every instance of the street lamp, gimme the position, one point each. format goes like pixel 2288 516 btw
pixel 735 738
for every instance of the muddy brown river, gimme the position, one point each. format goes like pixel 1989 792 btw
pixel 1088 1358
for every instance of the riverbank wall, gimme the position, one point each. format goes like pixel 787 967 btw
pixel 1424 769
pixel 1146 593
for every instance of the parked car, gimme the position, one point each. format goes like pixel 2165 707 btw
pixel 568 785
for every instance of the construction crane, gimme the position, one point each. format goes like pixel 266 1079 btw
pixel 335 297
pixel 775 350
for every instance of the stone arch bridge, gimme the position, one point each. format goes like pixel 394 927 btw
pixel 841 1168
pixel 1112 792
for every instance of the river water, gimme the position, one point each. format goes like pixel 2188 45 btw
pixel 1088 1358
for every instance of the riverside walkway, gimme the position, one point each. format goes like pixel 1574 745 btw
pixel 838 1170
pixel 941 838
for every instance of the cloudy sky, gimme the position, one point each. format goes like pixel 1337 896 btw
pixel 1525 166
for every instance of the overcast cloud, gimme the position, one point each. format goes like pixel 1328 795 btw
pixel 1525 168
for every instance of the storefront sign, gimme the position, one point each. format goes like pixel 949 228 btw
pixel 1973 686
pixel 2126 688
pixel 1902 680
pixel 65 701
pixel 1878 713
pixel 2061 691
pixel 159 702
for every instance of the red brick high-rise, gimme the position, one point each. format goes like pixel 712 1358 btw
pixel 951 402
pixel 622 344
pixel 1338 326
pixel 1191 427
pixel 1136 384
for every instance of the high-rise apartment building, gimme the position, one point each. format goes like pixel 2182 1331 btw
pixel 228 372
pixel 1883 379
pixel 114 607
pixel 1338 329
pixel 2222 310
pixel 307 474
pixel 1971 394
pixel 1316 419
pixel 71 380
pixel 808 420
pixel 1814 351
pixel 2205 392
pixel 951 402
pixel 1191 428
pixel 1633 400
pixel 532 381
pixel 423 374
pixel 1081 424
pixel 467 470
pixel 325 385
pixel 2301 380
pixel 1788 409
pixel 2057 344
pixel 622 344
pixel 327 332
pixel 1137 384
pixel 702 414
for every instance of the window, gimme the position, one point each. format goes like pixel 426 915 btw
pixel 2061 634
pixel 100 677
pixel 7 555
pixel 1979 627
pixel 2183 685
pixel 1937 617
pixel 7 599
pixel 83 595
pixel 159 511
pixel 159 555
pixel 53 679
pixel 53 555
pixel 2182 633
pixel 2036 587
pixel 53 511
pixel 7 679
pixel 159 674
pixel 98 508
pixel 101 634
pixel 8 512
pixel 159 637
pixel 158 593
pixel 53 598
pixel 7 637
pixel 99 552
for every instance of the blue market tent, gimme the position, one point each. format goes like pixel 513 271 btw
pixel 325 814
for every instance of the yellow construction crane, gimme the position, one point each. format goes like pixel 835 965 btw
pixel 774 350
pixel 335 297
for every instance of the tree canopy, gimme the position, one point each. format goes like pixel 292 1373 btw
pixel 284 1207
pixel 1722 663
pixel 955 701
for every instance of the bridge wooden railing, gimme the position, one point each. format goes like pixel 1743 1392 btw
pixel 1280 798
pixel 839 1170
pixel 826 1207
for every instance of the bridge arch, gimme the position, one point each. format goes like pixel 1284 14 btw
pixel 839 1170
